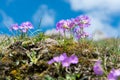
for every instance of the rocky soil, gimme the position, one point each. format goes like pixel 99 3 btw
pixel 26 60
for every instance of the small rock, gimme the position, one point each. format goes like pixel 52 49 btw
pixel 44 51
pixel 51 41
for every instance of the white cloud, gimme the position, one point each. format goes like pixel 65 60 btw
pixel 106 5
pixel 101 23
pixel 48 16
pixel 6 20
pixel 100 12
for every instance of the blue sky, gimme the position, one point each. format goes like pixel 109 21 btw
pixel 104 14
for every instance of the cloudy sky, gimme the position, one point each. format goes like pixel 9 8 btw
pixel 104 14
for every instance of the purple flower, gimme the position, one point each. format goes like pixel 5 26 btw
pixel 79 33
pixel 114 74
pixel 66 62
pixel 63 56
pixel 14 27
pixel 25 26
pixel 77 30
pixel 65 24
pixel 62 25
pixel 84 34
pixel 73 59
pixel 58 58
pixel 98 68
pixel 51 61
pixel 71 23
pixel 24 30
pixel 29 24
pixel 82 21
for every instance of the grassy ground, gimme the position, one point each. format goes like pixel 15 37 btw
pixel 26 58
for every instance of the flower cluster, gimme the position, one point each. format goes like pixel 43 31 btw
pixel 24 27
pixel 75 26
pixel 113 75
pixel 82 21
pixel 65 60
